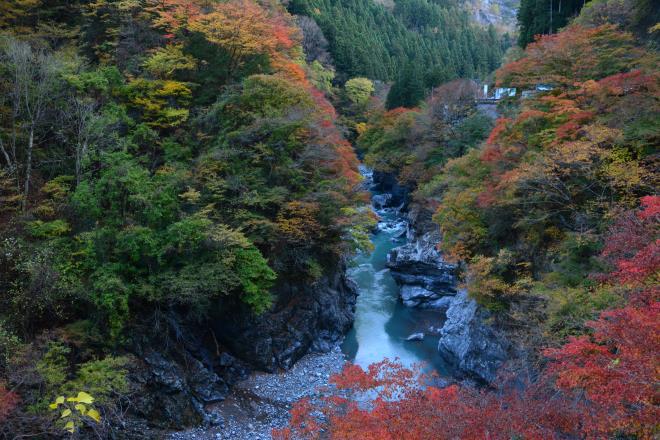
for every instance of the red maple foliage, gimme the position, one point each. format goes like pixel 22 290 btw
pixel 616 368
pixel 633 245
pixel 500 127
pixel 8 401
pixel 405 407
pixel 572 56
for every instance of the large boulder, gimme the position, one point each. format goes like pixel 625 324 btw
pixel 425 278
pixel 413 295
pixel 415 337
pixel 469 342
pixel 389 183
pixel 418 296
pixel 380 201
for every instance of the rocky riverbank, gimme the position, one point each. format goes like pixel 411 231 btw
pixel 307 316
pixel 250 408
pixel 262 402
pixel 184 370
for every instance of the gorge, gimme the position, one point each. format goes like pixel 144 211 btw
pixel 254 219
pixel 457 343
pixel 406 291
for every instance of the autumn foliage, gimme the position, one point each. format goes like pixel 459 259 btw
pixel 241 27
pixel 594 387
pixel 575 55
pixel 8 401
pixel 190 134
pixel 557 202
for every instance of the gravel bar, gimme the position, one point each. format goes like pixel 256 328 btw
pixel 262 402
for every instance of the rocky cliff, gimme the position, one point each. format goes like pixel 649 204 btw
pixel 305 317
pixel 426 280
pixel 181 366
pixel 470 342
pixel 499 13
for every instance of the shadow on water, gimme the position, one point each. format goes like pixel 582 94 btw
pixel 382 322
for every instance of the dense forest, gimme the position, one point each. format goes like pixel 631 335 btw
pixel 180 195
pixel 418 44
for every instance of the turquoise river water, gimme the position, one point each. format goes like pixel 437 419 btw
pixel 382 322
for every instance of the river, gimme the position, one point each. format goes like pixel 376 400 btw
pixel 257 405
pixel 382 322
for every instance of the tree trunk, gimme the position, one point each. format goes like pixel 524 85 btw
pixel 28 168
pixel 81 151
pixel 78 163
pixel 10 164
pixel 550 18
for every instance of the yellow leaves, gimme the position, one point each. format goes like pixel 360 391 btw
pixel 70 427
pixel 59 401
pixel 361 128
pixel 12 11
pixel 94 414
pixel 154 99
pixel 165 61
pixel 241 27
pixel 624 172
pixel 297 221
pixel 191 195
pixel 83 397
pixel 81 406
pixel 358 90
pixel 590 87
pixel 173 89
pixel 601 134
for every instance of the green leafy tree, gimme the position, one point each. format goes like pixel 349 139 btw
pixel 359 90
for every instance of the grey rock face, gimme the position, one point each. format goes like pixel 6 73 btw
pixel 422 274
pixel 174 388
pixel 412 295
pixel 469 342
pixel 380 201
pixel 305 318
pixel 500 13
pixel 441 303
pixel 387 183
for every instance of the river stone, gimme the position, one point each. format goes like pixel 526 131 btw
pixel 415 337
pixel 474 347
